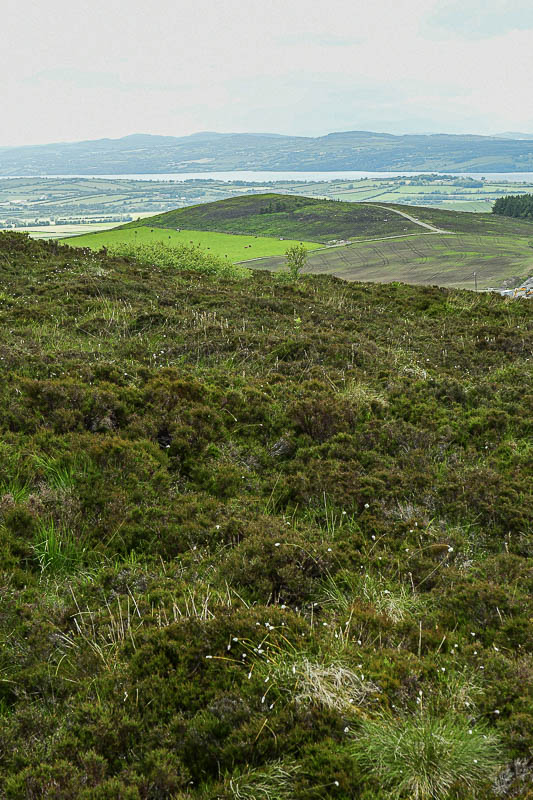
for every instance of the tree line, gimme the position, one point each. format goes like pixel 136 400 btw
pixel 514 205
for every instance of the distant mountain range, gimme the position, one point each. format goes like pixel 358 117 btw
pixel 206 152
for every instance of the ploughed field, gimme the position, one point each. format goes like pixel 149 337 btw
pixel 446 260
pixel 260 537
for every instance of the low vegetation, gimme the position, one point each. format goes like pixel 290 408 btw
pixel 189 257
pixel 260 538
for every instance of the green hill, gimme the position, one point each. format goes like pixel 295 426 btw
pixel 496 248
pixel 289 216
pixel 260 538
pixel 319 220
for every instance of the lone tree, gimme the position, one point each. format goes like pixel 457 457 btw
pixel 296 259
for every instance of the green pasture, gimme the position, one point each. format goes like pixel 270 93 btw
pixel 444 260
pixel 234 247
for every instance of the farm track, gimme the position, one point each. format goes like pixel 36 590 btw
pixel 416 221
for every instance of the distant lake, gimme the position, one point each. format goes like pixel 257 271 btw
pixel 249 176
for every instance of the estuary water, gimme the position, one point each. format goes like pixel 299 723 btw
pixel 250 176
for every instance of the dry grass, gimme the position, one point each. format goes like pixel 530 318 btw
pixel 325 683
pixel 272 782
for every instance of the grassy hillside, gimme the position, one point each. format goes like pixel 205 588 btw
pixel 496 248
pixel 260 538
pixel 284 215
pixel 234 248
pixel 462 222
pixel 445 260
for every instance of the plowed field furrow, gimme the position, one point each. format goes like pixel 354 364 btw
pixel 448 260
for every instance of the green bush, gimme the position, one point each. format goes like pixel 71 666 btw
pixel 182 257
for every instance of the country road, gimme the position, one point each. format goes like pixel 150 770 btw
pixel 409 217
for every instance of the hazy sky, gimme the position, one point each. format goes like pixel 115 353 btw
pixel 72 70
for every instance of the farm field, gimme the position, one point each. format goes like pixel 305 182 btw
pixel 236 248
pixel 485 224
pixel 445 260
pixel 449 193
pixel 44 202
pixel 66 231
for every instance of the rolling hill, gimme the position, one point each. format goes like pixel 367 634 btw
pixel 386 245
pixel 495 248
pixel 288 216
pixel 207 152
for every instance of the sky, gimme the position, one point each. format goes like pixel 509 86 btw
pixel 73 71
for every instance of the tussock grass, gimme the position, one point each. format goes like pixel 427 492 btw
pixel 60 475
pixel 57 550
pixel 392 599
pixel 14 490
pixel 364 396
pixel 425 757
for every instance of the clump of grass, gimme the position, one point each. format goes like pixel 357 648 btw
pixel 272 782
pixel 426 757
pixel 329 684
pixel 104 631
pixel 17 490
pixel 57 551
pixel 180 257
pixel 393 600
pixel 60 475
pixel 459 691
pixel 362 395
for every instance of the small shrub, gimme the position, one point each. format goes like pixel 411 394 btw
pixel 183 257
pixel 296 260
